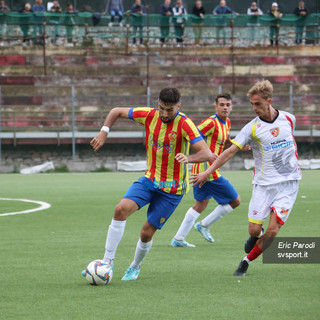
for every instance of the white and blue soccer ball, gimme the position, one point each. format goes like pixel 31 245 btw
pixel 99 272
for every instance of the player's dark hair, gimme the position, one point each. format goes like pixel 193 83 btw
pixel 223 95
pixel 169 96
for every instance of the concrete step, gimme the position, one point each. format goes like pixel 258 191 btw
pixel 191 51
pixel 70 70
pixel 16 80
pixel 179 81
pixel 161 60
pixel 18 90
pixel 141 100
pixel 157 70
pixel 27 90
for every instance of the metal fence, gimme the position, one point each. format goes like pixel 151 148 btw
pixel 71 124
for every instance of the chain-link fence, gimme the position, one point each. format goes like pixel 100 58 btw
pixel 69 117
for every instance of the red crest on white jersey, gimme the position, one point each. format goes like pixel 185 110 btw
pixel 275 131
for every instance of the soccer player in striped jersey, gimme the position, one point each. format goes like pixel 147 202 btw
pixel 169 134
pixel 276 171
pixel 216 133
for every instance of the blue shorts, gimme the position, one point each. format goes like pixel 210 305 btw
pixel 162 204
pixel 221 190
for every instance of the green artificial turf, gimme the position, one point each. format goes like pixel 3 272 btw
pixel 43 253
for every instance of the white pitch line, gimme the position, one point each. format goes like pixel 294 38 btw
pixel 43 206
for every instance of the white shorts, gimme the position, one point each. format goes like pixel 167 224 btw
pixel 279 197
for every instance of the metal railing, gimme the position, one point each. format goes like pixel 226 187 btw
pixel 68 123
pixel 81 29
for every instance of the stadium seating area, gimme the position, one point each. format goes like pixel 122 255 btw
pixel 38 108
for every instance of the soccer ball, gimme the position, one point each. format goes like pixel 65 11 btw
pixel 99 272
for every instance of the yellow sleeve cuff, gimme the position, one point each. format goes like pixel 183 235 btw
pixel 237 144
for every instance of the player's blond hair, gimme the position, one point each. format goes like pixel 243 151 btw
pixel 263 88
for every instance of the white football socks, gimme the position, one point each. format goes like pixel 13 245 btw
pixel 141 251
pixel 219 212
pixel 187 223
pixel 114 236
pixel 246 259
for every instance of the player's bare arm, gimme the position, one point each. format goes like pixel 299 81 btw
pixel 98 141
pixel 224 157
pixel 202 154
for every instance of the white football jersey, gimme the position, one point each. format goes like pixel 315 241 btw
pixel 273 147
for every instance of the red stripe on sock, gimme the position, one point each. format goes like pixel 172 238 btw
pixel 254 253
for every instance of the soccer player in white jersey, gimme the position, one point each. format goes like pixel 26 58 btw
pixel 276 171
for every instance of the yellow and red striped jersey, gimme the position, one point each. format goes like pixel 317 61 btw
pixel 163 142
pixel 215 132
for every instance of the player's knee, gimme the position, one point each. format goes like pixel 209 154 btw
pixel 146 235
pixel 120 212
pixel 200 206
pixel 255 230
pixel 236 202
pixel 147 232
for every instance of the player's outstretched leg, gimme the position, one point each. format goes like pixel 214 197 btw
pixel 116 229
pixel 186 225
pixel 114 236
pixel 244 264
pixel 133 271
pixel 242 268
pixel 219 212
pixel 262 244
pixel 144 245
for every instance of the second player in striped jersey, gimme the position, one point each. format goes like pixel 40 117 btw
pixel 216 133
